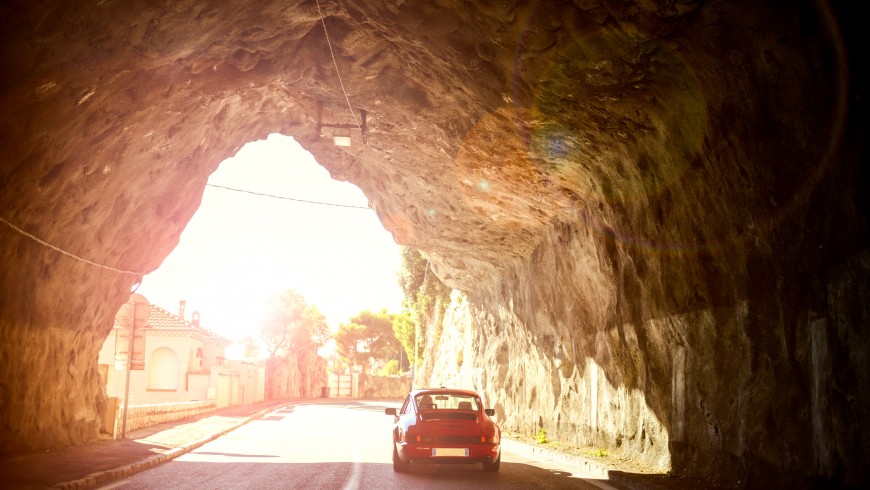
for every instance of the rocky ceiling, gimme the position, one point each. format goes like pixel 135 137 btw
pixel 651 158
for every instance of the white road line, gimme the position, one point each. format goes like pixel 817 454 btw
pixel 353 481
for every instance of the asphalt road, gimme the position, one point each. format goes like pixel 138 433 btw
pixel 336 445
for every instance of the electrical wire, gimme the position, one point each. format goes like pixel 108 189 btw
pixel 288 198
pixel 140 275
pixel 335 64
pixel 68 254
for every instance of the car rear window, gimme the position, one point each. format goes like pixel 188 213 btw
pixel 448 415
pixel 447 401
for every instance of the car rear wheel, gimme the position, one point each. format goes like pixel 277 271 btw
pixel 494 466
pixel 398 465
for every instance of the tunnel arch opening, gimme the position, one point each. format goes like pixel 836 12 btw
pixel 271 218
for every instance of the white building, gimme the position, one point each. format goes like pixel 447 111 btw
pixel 175 360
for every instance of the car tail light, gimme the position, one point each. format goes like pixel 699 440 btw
pixel 493 439
pixel 411 438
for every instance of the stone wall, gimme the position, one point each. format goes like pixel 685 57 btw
pixel 371 386
pixel 139 416
pixel 290 378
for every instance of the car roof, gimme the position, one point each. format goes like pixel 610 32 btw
pixel 443 389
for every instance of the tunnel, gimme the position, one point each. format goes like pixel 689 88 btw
pixel 652 215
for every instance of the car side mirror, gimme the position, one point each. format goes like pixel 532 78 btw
pixel 489 411
pixel 390 411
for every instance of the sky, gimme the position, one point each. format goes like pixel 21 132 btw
pixel 239 251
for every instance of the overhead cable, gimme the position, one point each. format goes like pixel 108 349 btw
pixel 68 254
pixel 335 64
pixel 289 198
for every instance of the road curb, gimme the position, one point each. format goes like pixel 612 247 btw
pixel 100 478
pixel 591 466
pixel 594 468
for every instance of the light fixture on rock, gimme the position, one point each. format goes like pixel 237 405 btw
pixel 341 136
pixel 341 133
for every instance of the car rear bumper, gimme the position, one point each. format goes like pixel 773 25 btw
pixel 477 453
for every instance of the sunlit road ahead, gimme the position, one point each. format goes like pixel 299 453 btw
pixel 331 444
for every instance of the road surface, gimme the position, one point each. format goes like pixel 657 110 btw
pixel 334 444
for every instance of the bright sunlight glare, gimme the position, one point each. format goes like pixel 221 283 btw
pixel 241 250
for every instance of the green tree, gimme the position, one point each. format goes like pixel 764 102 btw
pixel 423 292
pixel 294 326
pixel 368 335
pixel 378 341
pixel 253 350
pixel 404 329
pixel 421 287
pixel 347 342
pixel 391 368
pixel 413 272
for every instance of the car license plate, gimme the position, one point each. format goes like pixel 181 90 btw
pixel 450 451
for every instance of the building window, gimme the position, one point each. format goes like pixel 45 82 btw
pixel 163 370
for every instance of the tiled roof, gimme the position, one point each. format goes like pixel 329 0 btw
pixel 161 319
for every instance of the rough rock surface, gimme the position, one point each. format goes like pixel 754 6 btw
pixel 655 209
pixel 286 378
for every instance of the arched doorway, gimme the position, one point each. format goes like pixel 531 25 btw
pixel 163 370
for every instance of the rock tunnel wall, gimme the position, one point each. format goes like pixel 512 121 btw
pixel 656 208
pixel 707 392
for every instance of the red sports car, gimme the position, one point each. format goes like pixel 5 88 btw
pixel 445 426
